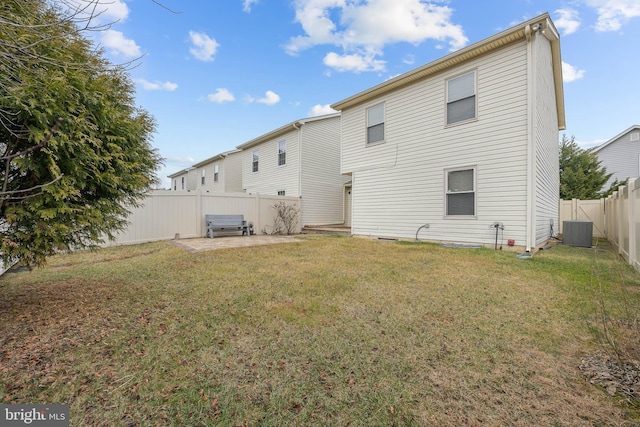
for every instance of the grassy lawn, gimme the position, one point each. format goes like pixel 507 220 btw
pixel 329 331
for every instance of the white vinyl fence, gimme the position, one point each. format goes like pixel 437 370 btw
pixel 169 215
pixel 623 221
pixel 586 210
pixel 617 218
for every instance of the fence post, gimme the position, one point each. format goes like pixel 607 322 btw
pixel 603 211
pixel 199 213
pixel 619 220
pixel 574 209
pixel 257 226
pixel 632 223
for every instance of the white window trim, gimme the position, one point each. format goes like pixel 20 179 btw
pixel 284 152
pixel 446 97
pixel 255 154
pixel 215 173
pixel 384 123
pixel 202 178
pixel 475 192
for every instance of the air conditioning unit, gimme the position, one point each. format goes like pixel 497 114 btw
pixel 577 233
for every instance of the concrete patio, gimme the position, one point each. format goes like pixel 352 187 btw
pixel 225 242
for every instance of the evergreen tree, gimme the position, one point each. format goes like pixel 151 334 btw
pixel 75 149
pixel 581 174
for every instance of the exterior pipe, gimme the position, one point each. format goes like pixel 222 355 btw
pixel 298 126
pixel 530 140
pixel 418 230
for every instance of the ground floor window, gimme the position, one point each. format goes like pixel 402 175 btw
pixel 460 192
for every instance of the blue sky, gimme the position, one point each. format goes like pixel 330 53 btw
pixel 216 74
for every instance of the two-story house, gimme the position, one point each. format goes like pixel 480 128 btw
pixel 469 141
pixel 300 159
pixel 220 173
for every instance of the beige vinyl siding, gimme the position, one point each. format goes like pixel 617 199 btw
pixel 399 185
pixel 270 177
pixel 321 181
pixel 209 184
pixel 176 182
pixel 231 173
pixel 547 175
pixel 190 180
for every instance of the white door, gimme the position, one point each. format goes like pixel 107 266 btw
pixel 347 206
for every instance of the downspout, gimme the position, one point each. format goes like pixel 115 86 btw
pixel 530 140
pixel 298 126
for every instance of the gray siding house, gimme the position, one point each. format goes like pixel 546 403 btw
pixel 300 159
pixel 621 155
pixel 461 143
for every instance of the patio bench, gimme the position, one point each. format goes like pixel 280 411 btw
pixel 227 223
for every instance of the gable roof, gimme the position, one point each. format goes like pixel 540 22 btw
pixel 513 34
pixel 615 138
pixel 181 172
pixel 284 129
pixel 214 158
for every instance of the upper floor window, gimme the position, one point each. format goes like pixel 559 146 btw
pixel 461 98
pixel 215 173
pixel 254 162
pixel 175 184
pixel 182 183
pixel 461 192
pixel 282 152
pixel 375 124
pixel 202 177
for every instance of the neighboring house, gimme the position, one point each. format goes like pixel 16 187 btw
pixel 461 143
pixel 300 159
pixel 621 156
pixel 220 173
pixel 184 180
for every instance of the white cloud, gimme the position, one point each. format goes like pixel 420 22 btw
pixel 613 14
pixel 116 10
pixel 221 95
pixel 568 21
pixel 571 73
pixel 204 48
pixel 270 98
pixel 100 12
pixel 321 110
pixel 147 85
pixel 246 5
pixel 119 44
pixel 409 59
pixel 590 144
pixel 366 27
pixel 355 62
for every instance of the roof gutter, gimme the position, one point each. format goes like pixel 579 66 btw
pixel 282 130
pixel 475 50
